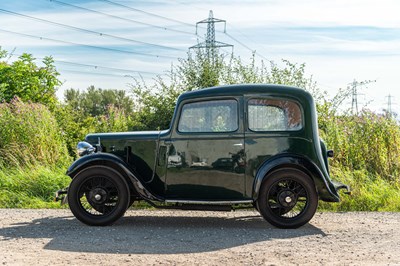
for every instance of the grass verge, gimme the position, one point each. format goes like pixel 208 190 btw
pixel 369 192
pixel 31 187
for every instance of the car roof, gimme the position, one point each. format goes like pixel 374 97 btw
pixel 248 89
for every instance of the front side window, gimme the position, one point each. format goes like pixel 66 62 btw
pixel 274 115
pixel 209 116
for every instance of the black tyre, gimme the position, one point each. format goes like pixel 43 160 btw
pixel 98 195
pixel 288 198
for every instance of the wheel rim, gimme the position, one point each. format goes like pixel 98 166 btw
pixel 98 196
pixel 287 198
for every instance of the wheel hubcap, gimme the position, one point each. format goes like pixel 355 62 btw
pixel 98 195
pixel 287 198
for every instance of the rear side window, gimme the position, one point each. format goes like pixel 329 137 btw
pixel 274 115
pixel 209 116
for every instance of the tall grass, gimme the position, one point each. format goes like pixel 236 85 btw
pixel 30 135
pixel 370 192
pixel 367 141
pixel 367 152
pixel 33 149
pixel 33 156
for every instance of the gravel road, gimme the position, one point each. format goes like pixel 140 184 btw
pixel 148 237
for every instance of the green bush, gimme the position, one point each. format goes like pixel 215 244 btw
pixel 367 141
pixel 30 135
pixel 75 125
pixel 28 81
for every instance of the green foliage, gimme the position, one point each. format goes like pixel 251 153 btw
pixel 29 135
pixel 31 187
pixel 71 126
pixel 155 105
pixel 75 125
pixel 370 192
pixel 115 120
pixel 27 81
pixel 366 141
pixel 94 110
pixel 198 71
pixel 33 156
pixel 94 102
pixel 237 72
pixel 367 148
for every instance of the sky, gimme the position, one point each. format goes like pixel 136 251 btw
pixel 107 43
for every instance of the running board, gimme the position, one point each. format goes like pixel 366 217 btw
pixel 203 205
pixel 202 202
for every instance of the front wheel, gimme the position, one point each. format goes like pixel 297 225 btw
pixel 98 195
pixel 288 198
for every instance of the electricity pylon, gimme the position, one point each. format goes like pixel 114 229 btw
pixel 354 92
pixel 210 44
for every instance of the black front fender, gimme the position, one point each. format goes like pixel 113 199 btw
pixel 116 163
pixel 95 158
pixel 324 186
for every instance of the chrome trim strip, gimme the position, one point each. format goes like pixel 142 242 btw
pixel 210 202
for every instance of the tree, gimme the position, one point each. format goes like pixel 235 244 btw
pixel 29 82
pixel 94 110
pixel 96 101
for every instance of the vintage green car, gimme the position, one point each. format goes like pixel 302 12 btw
pixel 227 147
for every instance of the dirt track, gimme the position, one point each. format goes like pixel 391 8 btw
pixel 55 237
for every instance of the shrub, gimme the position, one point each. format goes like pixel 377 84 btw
pixel 30 135
pixel 366 141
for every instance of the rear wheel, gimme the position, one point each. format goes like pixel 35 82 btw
pixel 288 198
pixel 98 195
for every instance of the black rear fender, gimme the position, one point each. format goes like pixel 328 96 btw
pixel 323 185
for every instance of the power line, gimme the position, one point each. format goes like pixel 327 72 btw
pixel 87 45
pixel 244 45
pixel 106 68
pixel 86 30
pixel 97 66
pixel 96 74
pixel 147 13
pixel 236 40
pixel 120 18
pixel 187 24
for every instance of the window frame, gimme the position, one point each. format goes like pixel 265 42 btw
pixel 296 102
pixel 237 103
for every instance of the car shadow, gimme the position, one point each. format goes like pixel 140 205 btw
pixel 151 234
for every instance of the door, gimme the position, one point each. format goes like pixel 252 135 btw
pixel 205 157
